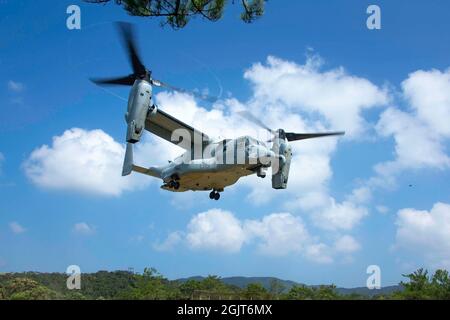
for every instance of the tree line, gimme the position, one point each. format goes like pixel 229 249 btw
pixel 152 285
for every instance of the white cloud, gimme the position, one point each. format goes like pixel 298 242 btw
pixel 347 244
pixel 277 234
pixel 15 86
pixel 221 121
pixel 428 93
pixel 16 228
pixel 420 132
pixel 319 253
pixel 215 230
pixel 333 215
pixel 309 99
pixel 83 228
pixel 425 234
pixel 84 161
pixel 170 242
pixel 361 195
pixel 336 95
pixel 417 145
pixel 382 209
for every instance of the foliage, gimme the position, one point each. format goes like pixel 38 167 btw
pixel 177 13
pixel 423 287
pixel 152 285
pixel 210 287
pixel 27 289
pixel 255 291
pixel 302 292
pixel 276 288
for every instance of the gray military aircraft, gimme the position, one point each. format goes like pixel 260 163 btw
pixel 207 164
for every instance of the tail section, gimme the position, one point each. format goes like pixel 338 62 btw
pixel 128 165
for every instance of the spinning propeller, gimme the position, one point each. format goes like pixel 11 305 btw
pixel 289 136
pixel 140 72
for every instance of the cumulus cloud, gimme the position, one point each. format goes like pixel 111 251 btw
pixel 276 234
pixel 16 228
pixel 81 160
pixel 215 230
pixel 308 98
pixel 339 216
pixel 170 242
pixel 428 93
pixel 289 89
pixel 425 234
pixel 421 131
pixel 83 228
pixel 319 253
pixel 347 244
pixel 329 214
pixel 336 95
pixel 416 144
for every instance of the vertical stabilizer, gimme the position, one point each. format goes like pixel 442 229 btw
pixel 128 161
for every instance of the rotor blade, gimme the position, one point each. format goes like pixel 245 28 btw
pixel 250 117
pixel 291 136
pixel 126 81
pixel 126 29
pixel 158 83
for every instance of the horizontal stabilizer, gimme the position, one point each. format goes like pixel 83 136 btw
pixel 154 172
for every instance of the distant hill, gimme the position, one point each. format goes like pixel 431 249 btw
pixel 242 282
pixel 364 291
pixel 129 285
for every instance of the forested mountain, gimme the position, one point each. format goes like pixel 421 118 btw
pixel 286 285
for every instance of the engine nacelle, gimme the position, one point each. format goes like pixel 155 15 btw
pixel 280 170
pixel 138 107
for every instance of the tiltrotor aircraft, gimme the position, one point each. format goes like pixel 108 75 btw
pixel 207 164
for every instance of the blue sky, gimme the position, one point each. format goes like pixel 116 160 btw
pixel 389 89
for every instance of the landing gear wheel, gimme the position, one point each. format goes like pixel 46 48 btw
pixel 174 184
pixel 212 194
pixel 217 196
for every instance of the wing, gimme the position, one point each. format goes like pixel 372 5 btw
pixel 173 130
